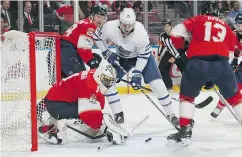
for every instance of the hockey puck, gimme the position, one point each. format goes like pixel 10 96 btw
pixel 148 139
pixel 98 148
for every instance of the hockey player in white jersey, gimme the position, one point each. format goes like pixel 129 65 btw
pixel 133 51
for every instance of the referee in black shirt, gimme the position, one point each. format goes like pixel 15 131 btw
pixel 168 54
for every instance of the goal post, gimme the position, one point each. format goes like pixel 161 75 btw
pixel 30 64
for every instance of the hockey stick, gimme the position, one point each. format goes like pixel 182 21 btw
pixel 227 105
pixel 153 103
pixel 135 127
pixel 200 105
pixel 85 134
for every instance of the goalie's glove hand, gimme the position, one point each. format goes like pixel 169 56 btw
pixel 111 57
pixel 95 61
pixel 136 79
pixel 208 85
pixel 115 138
pixel 234 63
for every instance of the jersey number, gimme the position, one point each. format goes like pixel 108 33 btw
pixel 220 35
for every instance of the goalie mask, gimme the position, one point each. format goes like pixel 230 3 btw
pixel 105 76
pixel 127 19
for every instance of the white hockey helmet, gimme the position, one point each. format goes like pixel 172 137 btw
pixel 105 76
pixel 127 20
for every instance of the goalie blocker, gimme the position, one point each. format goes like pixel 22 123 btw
pixel 68 100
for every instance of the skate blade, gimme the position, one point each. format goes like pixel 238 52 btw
pixel 183 143
pixel 51 140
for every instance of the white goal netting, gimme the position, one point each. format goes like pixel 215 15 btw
pixel 16 121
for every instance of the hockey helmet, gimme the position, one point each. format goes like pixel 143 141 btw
pixel 127 20
pixel 98 9
pixel 238 22
pixel 238 19
pixel 166 21
pixel 209 8
pixel 105 76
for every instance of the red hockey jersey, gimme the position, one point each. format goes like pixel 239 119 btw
pixel 80 35
pixel 79 85
pixel 210 36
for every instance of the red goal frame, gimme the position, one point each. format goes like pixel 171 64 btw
pixel 33 89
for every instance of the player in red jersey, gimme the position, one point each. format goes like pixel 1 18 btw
pixel 208 53
pixel 237 68
pixel 77 43
pixel 81 96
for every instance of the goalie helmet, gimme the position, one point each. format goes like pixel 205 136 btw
pixel 127 20
pixel 105 76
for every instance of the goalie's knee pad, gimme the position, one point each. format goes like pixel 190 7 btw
pixel 159 88
pixel 114 100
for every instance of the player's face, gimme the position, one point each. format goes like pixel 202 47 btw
pixel 99 20
pixel 167 28
pixel 126 28
pixel 239 28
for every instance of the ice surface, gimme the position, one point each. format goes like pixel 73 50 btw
pixel 219 138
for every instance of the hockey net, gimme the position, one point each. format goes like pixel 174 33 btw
pixel 30 64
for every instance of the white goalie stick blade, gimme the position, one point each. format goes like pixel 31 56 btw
pixel 112 125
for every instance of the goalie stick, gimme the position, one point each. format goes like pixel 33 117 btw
pixel 200 105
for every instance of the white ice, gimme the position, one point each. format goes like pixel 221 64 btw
pixel 219 138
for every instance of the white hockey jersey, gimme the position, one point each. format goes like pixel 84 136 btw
pixel 130 46
pixel 136 44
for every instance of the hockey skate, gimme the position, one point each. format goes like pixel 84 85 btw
pixel 54 133
pixel 181 138
pixel 119 117
pixel 216 112
pixel 174 120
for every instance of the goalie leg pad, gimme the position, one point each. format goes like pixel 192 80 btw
pixel 113 126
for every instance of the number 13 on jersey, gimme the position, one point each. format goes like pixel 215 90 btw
pixel 219 37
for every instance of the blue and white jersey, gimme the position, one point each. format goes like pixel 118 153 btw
pixel 135 44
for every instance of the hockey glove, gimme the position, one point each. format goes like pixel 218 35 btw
pixel 93 63
pixel 234 63
pixel 136 79
pixel 111 57
pixel 208 85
